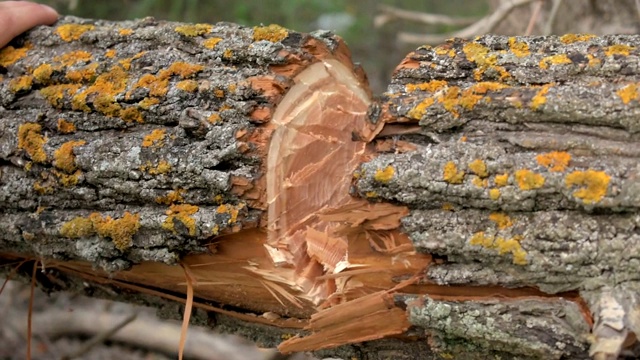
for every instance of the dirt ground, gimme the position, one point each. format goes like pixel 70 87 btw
pixel 64 323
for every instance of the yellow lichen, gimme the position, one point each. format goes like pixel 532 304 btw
pixel 31 140
pixel 121 231
pixel 163 167
pixel 73 57
pixel 540 97
pixel 54 93
pixel 219 93
pixel 618 49
pixel 194 29
pixel 70 32
pixel 182 69
pixel 501 219
pixel 173 197
pixel 556 161
pixel 479 182
pixel 371 194
pixel 554 60
pixel 181 213
pixel 384 175
pixel 232 210
pixel 431 86
pixel 66 127
pixel 87 73
pixel 494 194
pixel 64 158
pixel 528 180
pixel 273 33
pixel 627 93
pixel 214 118
pixel 445 51
pixel 449 100
pixel 211 42
pixel 148 102
pixel 130 115
pixel 484 86
pixel 111 53
pixel 227 54
pixel 187 85
pixel 155 138
pixel 43 73
pixel 504 246
pixel 593 61
pixel 451 173
pixel 125 32
pixel 9 54
pixel 571 38
pixel 519 49
pixel 479 168
pixel 22 83
pixel 448 207
pixel 42 190
pixel 479 54
pixel 68 180
pixel 105 88
pixel 593 184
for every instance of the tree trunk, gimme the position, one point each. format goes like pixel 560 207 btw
pixel 485 206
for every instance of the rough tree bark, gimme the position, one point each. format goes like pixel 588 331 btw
pixel 484 207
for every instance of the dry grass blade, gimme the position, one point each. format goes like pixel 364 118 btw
pixel 187 309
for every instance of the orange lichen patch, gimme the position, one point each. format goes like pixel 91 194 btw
pixel 618 49
pixel 211 42
pixel 121 231
pixel 501 219
pixel 593 61
pixel 571 38
pixel 479 182
pixel 181 213
pixel 448 207
pixel 64 159
pixel 594 185
pixel 430 86
pixel 528 180
pixel 54 93
pixel 182 69
pixel 106 87
pixel 494 194
pixel 10 55
pixel 519 49
pixel 66 127
pixel 371 194
pixel 554 60
pixel 163 167
pixel 556 161
pixel 130 115
pixel 504 246
pixel 125 32
pixel 68 180
pixel 232 210
pixel 540 98
pixel 43 73
pixel 227 54
pixel 194 29
pixel 445 51
pixel 70 32
pixel 451 174
pixel 484 86
pixel 214 118
pixel 463 138
pixel 158 84
pixel 384 175
pixel 173 197
pixel 154 139
pixel 73 57
pixel 31 140
pixel 148 102
pixel 111 53
pixel 22 83
pixel 627 93
pixel 86 73
pixel 479 54
pixel 78 227
pixel 187 85
pixel 479 168
pixel 42 190
pixel 273 33
pixel 450 99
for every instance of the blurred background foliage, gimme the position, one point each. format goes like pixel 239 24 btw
pixel 375 49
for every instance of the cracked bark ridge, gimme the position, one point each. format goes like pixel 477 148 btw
pixel 518 157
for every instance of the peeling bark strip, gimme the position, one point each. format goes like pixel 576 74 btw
pixel 494 213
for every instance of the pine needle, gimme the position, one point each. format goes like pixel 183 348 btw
pixel 11 274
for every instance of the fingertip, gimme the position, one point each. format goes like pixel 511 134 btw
pixel 50 14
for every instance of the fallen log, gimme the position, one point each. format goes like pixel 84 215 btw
pixel 484 206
